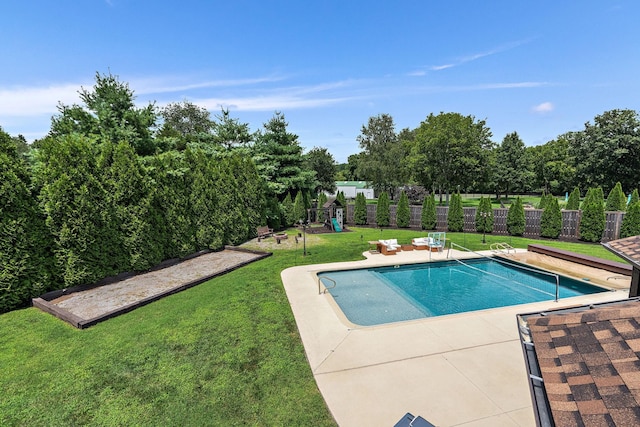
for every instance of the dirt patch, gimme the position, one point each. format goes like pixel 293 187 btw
pixel 88 306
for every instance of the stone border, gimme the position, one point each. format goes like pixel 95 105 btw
pixel 44 301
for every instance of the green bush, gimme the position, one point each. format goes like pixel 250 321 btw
pixel 340 197
pixel 631 221
pixel 616 201
pixel 484 216
pixel 515 218
pixel 322 199
pixel 551 221
pixel 287 210
pixel 428 217
pixel 360 210
pixel 455 216
pixel 26 246
pixel 403 212
pixel 634 197
pixel 593 219
pixel 299 211
pixel 573 204
pixel 383 218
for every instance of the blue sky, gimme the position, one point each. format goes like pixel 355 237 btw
pixel 538 68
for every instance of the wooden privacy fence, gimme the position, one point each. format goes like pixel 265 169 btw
pixel 570 221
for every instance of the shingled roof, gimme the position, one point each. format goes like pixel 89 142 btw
pixel 589 361
pixel 628 249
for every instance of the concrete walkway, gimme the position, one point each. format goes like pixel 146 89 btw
pixel 458 370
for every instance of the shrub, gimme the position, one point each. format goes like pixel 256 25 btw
pixel 455 216
pixel 299 211
pixel 287 211
pixel 322 199
pixel 382 210
pixel 428 218
pixel 515 218
pixel 592 222
pixel 631 221
pixel 616 201
pixel 403 213
pixel 360 210
pixel 551 221
pixel 634 197
pixel 484 216
pixel 340 197
pixel 573 204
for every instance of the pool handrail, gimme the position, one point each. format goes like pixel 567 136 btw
pixel 325 288
pixel 540 271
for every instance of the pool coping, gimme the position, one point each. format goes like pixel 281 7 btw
pixel 461 369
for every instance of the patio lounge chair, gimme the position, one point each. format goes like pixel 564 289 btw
pixel 421 243
pixel 388 247
pixel 436 241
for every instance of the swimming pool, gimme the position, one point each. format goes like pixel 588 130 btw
pixel 381 295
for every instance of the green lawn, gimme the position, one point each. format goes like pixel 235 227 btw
pixel 226 352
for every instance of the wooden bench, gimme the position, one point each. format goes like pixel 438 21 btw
pixel 591 261
pixel 264 232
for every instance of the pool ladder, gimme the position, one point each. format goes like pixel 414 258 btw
pixel 320 284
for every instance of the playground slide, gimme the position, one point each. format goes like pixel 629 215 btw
pixel 336 226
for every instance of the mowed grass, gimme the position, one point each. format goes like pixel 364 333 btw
pixel 226 352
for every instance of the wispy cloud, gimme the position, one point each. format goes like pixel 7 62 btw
pixel 33 101
pixel 169 85
pixel 470 58
pixel 545 107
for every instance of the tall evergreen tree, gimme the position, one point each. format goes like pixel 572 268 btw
pixel 299 211
pixel 287 210
pixel 616 201
pixel 592 222
pixel 631 221
pixel 428 218
pixel 26 246
pixel 322 199
pixel 551 221
pixel 484 216
pixel 634 197
pixel 515 218
pixel 383 218
pixel 455 216
pixel 573 204
pixel 340 197
pixel 360 210
pixel 278 157
pixel 403 212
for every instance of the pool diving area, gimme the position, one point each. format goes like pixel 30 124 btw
pixel 380 295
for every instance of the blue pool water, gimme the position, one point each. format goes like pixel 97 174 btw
pixel 380 295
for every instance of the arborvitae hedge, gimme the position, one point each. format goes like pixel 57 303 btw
pixel 322 199
pixel 616 201
pixel 634 197
pixel 403 212
pixel 455 216
pixel 26 247
pixel 573 204
pixel 299 212
pixel 551 221
pixel 515 218
pixel 287 210
pixel 631 221
pixel 360 210
pixel 592 222
pixel 484 216
pixel 429 218
pixel 383 217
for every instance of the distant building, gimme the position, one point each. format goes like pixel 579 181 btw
pixel 352 188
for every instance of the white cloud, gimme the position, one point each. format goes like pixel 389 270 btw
pixel 545 107
pixel 470 58
pixel 33 101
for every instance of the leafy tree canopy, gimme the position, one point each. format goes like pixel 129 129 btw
pixel 322 162
pixel 109 113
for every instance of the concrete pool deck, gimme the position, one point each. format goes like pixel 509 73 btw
pixel 458 370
